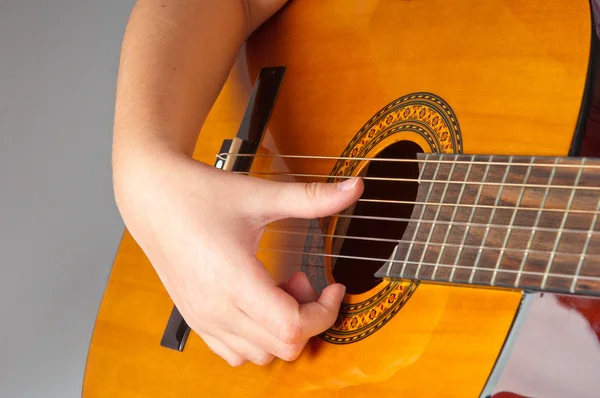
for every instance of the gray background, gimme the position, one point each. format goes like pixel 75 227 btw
pixel 59 227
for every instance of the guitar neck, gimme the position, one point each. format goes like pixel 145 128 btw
pixel 519 222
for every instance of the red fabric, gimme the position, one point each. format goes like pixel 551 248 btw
pixel 591 141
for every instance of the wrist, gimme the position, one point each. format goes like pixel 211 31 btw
pixel 141 168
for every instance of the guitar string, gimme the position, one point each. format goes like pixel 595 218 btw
pixel 460 223
pixel 223 157
pixel 465 267
pixel 445 280
pixel 447 245
pixel 415 202
pixel 572 188
pixel 408 278
pixel 404 219
pixel 434 181
pixel 456 182
pixel 478 206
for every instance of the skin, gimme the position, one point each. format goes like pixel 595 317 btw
pixel 175 59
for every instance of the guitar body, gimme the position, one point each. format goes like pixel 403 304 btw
pixel 364 79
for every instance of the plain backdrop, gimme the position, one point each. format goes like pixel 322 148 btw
pixel 59 226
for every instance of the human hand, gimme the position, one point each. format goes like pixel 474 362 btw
pixel 200 227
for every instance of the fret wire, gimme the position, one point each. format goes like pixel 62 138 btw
pixel 487 229
pixel 223 156
pixel 393 257
pixel 585 248
pixel 560 230
pixel 452 218
pixel 421 172
pixel 418 225
pixel 471 216
pixel 383 260
pixel 416 242
pixel 535 224
pixel 393 179
pixel 510 225
pixel 437 213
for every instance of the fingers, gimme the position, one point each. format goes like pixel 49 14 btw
pixel 320 315
pixel 299 287
pixel 245 340
pixel 247 349
pixel 218 347
pixel 248 339
pixel 279 200
pixel 280 314
pixel 235 350
pixel 265 346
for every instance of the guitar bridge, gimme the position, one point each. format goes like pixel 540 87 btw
pixel 247 141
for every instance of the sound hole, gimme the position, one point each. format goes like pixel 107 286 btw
pixel 358 275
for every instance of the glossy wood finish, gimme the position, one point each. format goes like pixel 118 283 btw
pixel 556 352
pixel 521 222
pixel 516 87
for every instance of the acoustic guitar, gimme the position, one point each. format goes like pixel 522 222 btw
pixel 472 261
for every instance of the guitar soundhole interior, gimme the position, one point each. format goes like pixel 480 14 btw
pixel 358 275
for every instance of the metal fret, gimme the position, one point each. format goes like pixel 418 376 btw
pixel 453 217
pixel 562 226
pixel 437 169
pixel 510 225
pixel 585 249
pixel 491 218
pixel 535 224
pixel 518 248
pixel 437 213
pixel 471 216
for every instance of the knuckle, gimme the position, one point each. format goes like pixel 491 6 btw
pixel 264 359
pixel 311 192
pixel 197 327
pixel 236 361
pixel 291 353
pixel 290 332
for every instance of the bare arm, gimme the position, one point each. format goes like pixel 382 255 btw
pixel 175 59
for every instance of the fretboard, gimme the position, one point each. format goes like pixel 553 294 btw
pixel 524 222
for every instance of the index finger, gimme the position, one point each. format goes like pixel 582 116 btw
pixel 280 314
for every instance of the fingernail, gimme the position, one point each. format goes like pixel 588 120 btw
pixel 347 184
pixel 343 291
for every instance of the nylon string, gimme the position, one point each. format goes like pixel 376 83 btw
pixel 223 156
pixel 535 273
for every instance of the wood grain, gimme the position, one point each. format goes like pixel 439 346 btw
pixel 514 73
pixel 522 222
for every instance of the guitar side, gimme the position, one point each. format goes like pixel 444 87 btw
pixel 443 341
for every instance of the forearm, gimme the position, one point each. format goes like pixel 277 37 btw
pixel 175 58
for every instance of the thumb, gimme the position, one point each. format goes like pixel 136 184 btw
pixel 309 200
